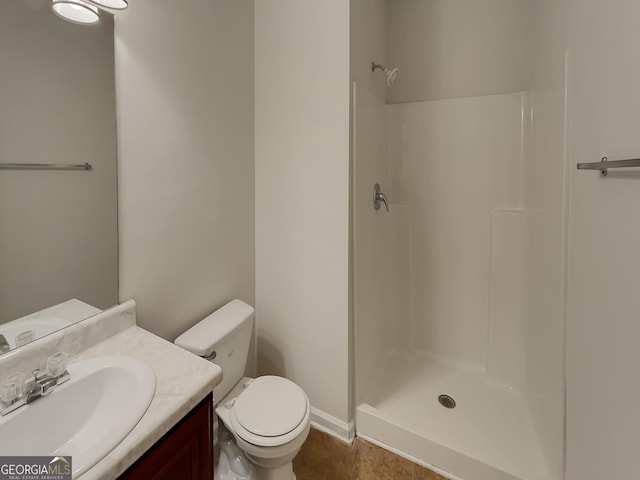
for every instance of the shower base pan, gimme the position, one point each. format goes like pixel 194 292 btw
pixel 488 435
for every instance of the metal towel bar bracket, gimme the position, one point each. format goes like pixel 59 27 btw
pixel 45 166
pixel 604 164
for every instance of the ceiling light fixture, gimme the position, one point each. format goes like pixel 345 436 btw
pixel 76 11
pixel 110 4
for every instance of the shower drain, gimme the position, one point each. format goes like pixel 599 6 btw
pixel 447 401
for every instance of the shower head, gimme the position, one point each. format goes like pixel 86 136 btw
pixel 391 74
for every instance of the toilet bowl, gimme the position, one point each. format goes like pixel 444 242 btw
pixel 269 416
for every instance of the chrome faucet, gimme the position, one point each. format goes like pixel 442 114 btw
pixel 15 391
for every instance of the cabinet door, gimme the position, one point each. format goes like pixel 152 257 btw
pixel 185 453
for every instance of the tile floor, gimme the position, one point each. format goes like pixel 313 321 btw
pixel 325 458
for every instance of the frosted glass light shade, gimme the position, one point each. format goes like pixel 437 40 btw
pixel 110 4
pixel 76 11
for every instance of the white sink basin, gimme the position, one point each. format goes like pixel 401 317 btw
pixel 86 417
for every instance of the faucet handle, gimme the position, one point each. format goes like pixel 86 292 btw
pixel 56 364
pixel 12 388
pixel 379 197
pixel 4 345
pixel 25 337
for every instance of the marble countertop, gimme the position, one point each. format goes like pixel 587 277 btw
pixel 183 380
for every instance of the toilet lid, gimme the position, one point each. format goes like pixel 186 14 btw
pixel 270 406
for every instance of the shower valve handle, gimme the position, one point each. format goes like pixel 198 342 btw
pixel 379 197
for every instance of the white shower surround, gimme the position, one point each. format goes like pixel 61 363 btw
pixel 468 297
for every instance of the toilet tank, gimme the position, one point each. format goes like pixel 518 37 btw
pixel 223 338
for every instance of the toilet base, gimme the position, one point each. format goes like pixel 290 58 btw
pixel 234 464
pixel 225 471
pixel 284 472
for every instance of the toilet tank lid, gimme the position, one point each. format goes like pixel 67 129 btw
pixel 202 338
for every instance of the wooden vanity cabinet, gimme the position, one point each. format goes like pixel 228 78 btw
pixel 184 453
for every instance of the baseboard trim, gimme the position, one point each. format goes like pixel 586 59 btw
pixel 345 432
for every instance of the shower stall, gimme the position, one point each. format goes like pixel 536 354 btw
pixel 459 286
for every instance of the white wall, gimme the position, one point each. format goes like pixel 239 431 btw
pixel 184 78
pixel 302 198
pixel 57 105
pixel 458 48
pixel 369 44
pixel 603 390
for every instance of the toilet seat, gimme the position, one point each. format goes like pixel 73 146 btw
pixel 271 411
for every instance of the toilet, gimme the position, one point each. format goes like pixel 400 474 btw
pixel 269 416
